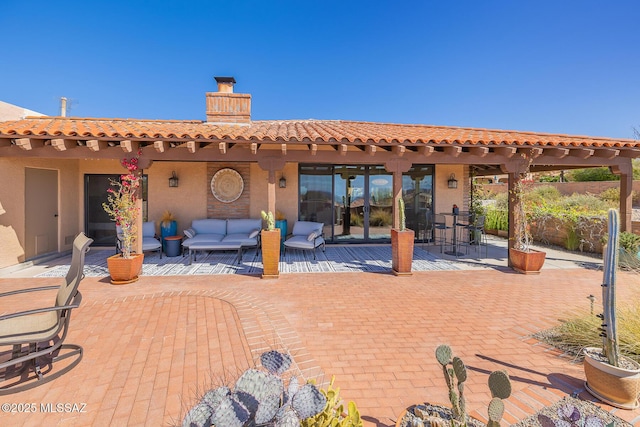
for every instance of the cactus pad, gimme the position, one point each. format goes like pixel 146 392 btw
pixel 267 409
pixel 215 396
pixel 198 416
pixel 459 369
pixel 229 413
pixel 443 354
pixel 275 362
pixel 499 384
pixel 259 384
pixel 308 401
pixel 496 409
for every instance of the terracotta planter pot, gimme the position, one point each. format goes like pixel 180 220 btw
pixel 615 386
pixel 124 270
pixel 270 253
pixel 527 262
pixel 402 251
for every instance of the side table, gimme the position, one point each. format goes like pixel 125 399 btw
pixel 172 245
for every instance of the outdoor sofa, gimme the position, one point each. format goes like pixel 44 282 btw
pixel 222 234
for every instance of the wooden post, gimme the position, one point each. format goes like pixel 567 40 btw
pixel 625 171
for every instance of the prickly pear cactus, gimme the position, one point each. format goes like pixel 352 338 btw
pixel 258 398
pixel 499 384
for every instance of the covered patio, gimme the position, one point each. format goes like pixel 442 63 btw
pixel 275 160
pixel 152 346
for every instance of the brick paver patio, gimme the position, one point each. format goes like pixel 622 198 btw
pixel 152 345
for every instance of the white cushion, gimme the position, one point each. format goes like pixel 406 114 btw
pixel 190 232
pixel 254 233
pixel 312 236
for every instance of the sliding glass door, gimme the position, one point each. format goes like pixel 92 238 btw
pixel 355 202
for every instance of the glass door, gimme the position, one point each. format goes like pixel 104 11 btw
pixel 379 209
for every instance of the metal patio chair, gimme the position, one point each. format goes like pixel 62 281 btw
pixel 37 336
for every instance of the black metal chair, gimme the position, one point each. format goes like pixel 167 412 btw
pixel 37 336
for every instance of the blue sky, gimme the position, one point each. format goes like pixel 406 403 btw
pixel 555 66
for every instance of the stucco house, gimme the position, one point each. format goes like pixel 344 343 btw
pixel 348 175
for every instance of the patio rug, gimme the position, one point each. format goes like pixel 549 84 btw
pixel 334 259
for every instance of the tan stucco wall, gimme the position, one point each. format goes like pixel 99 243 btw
pixel 187 201
pixel 286 198
pixel 12 197
pixel 445 197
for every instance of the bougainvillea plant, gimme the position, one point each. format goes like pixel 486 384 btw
pixel 121 204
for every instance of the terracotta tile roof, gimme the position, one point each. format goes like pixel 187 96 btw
pixel 292 131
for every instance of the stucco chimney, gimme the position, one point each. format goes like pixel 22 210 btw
pixel 224 106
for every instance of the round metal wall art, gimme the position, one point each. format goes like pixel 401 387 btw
pixel 227 185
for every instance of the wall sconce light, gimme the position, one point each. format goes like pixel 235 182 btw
pixel 173 180
pixel 283 182
pixel 453 182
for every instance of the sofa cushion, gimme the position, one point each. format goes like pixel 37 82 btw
pixel 243 226
pixel 209 226
pixel 241 238
pixel 301 242
pixel 203 238
pixel 304 228
pixel 190 232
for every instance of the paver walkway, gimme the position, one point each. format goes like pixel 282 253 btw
pixel 151 345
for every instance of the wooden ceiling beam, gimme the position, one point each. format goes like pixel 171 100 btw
pixel 192 146
pixel 254 148
pixel 557 152
pixel 161 146
pixel 399 150
pixel 314 149
pixel 23 143
pixel 452 151
pixel 606 153
pixel 426 150
pixel 581 153
pixel 371 150
pixel 283 149
pixel 222 146
pixel 60 144
pixel 507 152
pixel 479 151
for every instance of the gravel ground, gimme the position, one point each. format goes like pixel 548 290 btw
pixel 585 408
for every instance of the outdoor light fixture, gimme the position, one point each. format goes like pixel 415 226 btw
pixel 283 182
pixel 453 182
pixel 173 179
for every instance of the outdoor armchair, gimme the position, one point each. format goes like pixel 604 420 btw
pixel 306 235
pixel 36 337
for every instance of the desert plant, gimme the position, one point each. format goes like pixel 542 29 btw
pixel 403 217
pixel 167 217
pixel 259 397
pixel 333 414
pixel 455 374
pixel 610 347
pixel 121 203
pixel 573 239
pixel 269 219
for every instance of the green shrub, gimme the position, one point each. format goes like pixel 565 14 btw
pixel 573 240
pixel 592 174
pixel 497 219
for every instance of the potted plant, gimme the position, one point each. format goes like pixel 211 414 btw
pixel 522 257
pixel 281 223
pixel 402 245
pixel 270 243
pixel 611 377
pixel 122 208
pixel 168 226
pixel 455 375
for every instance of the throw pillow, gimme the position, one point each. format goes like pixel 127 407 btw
pixel 190 232
pixel 254 233
pixel 312 236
